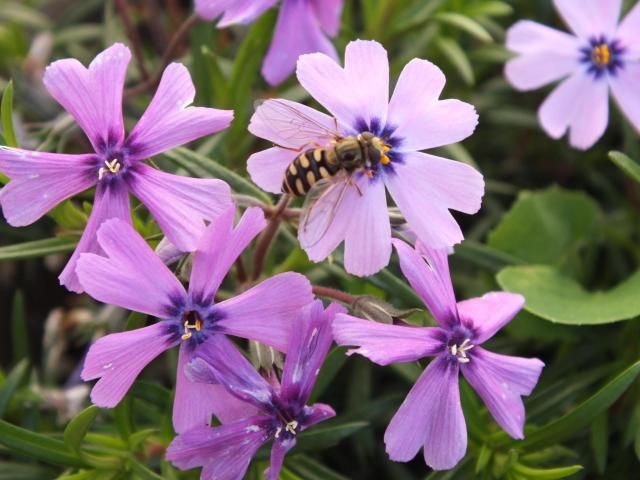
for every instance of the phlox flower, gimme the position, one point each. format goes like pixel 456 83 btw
pixel 431 415
pixel 93 96
pixel 278 410
pixel 423 186
pixel 303 27
pixel 132 276
pixel 601 54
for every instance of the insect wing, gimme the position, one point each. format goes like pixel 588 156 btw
pixel 320 208
pixel 292 125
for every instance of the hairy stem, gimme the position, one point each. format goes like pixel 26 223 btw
pixel 334 294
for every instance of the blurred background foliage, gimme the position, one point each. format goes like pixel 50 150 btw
pixel 558 225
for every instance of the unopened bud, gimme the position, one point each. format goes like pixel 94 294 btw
pixel 372 308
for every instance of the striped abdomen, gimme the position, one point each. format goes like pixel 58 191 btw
pixel 307 169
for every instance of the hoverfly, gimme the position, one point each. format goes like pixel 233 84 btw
pixel 325 167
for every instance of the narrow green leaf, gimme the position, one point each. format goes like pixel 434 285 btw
pixel 78 427
pixel 25 471
pixel 123 418
pixel 6 114
pixel 19 331
pixel 600 441
pixel 325 436
pixel 37 248
pixel 628 166
pixel 142 472
pixel 485 256
pixel 11 384
pixel 309 469
pixel 332 365
pixel 458 58
pixel 465 23
pixel 546 473
pixel 136 320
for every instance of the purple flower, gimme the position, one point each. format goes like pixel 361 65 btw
pixel 277 411
pixel 303 27
pixel 600 55
pixel 423 186
pixel 431 415
pixel 134 277
pixel 93 96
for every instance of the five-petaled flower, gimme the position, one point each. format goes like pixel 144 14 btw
pixel 278 411
pixel 431 415
pixel 601 54
pixel 93 96
pixel 134 277
pixel 424 187
pixel 303 27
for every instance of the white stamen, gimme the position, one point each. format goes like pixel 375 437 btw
pixel 460 351
pixel 110 167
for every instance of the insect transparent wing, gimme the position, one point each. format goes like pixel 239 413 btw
pixel 292 125
pixel 320 207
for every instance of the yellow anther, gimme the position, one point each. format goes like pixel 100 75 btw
pixel 602 55
pixel 385 160
pixel 113 167
pixel 197 326
pixel 291 427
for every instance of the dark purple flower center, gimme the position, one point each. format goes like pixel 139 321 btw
pixel 113 160
pixel 602 56
pixel 382 140
pixel 459 344
pixel 193 323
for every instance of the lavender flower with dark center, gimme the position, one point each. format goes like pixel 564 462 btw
pixel 274 411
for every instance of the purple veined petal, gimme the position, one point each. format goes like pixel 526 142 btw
pixel 93 96
pixel 279 450
pixel 431 281
pixel 117 360
pixel 624 86
pixel 580 104
pixel 486 315
pixel 500 380
pixel 180 205
pixel 169 122
pixel 210 9
pixel 318 412
pixel 328 13
pixel 225 451
pixel 218 361
pixel 629 33
pixel 267 312
pixel 430 416
pixel 426 187
pixel 244 11
pixel 387 344
pixel 195 402
pixel 111 201
pixel 267 167
pixel 590 18
pixel 168 252
pixel 309 346
pixel 220 247
pixel 292 125
pixel 40 181
pixel 367 244
pixel 297 32
pixel 131 275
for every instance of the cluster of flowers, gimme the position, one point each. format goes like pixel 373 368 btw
pixel 115 265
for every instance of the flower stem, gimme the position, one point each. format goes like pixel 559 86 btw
pixel 268 235
pixel 334 294
pixel 132 35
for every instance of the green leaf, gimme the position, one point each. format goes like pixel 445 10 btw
pixel 37 248
pixel 19 331
pixel 600 441
pixel 11 384
pixel 545 227
pixel 628 166
pixel 325 436
pixel 136 320
pixel 309 469
pixel 142 472
pixel 332 365
pixel 458 58
pixel 6 115
pixel 465 23
pixel 484 256
pixel 69 215
pixel 37 446
pixel 558 298
pixel 579 418
pixel 78 427
pixel 24 471
pixel 546 473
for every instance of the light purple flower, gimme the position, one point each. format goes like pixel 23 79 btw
pixel 134 277
pixel 93 96
pixel 423 186
pixel 303 27
pixel 431 415
pixel 278 411
pixel 600 54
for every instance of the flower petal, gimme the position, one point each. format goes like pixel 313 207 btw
pixel 629 33
pixel 386 344
pixel 111 201
pixel 489 313
pixel 169 122
pixel 590 18
pixel 367 245
pixel 328 13
pixel 180 205
pixel 430 415
pixel 432 281
pixel 40 181
pixel 318 412
pixel 624 86
pixel 225 451
pixel 235 11
pixel 425 187
pixel 219 248
pixel 526 36
pixel 297 32
pixel 308 350
pixel 266 312
pixel 580 104
pixel 131 275
pixel 500 380
pixel 93 96
pixel 278 451
pixel 267 167
pixel 117 360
